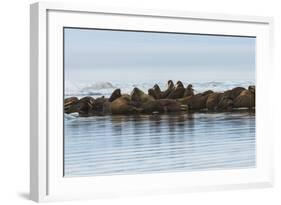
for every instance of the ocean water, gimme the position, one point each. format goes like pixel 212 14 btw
pixel 97 89
pixel 135 144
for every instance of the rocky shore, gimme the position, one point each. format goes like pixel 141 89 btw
pixel 176 98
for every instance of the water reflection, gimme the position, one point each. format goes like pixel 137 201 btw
pixel 105 145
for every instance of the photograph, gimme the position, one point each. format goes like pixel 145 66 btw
pixel 147 102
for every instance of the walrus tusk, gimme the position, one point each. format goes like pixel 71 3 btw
pixel 184 107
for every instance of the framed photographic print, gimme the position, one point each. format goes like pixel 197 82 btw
pixel 130 102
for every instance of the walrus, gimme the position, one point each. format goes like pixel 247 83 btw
pixel 70 100
pixel 208 92
pixel 196 102
pixel 246 99
pixel 177 91
pixel 168 90
pixel 87 99
pixel 172 105
pixel 152 93
pixel 123 105
pixel 233 93
pixel 157 91
pixel 86 105
pixel 213 101
pixel 227 98
pixel 184 100
pixel 252 89
pixel 162 105
pixel 140 97
pixel 152 106
pixel 71 105
pixel 115 94
pixel 188 91
pixel 99 104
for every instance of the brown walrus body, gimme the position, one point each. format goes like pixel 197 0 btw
pixel 177 92
pixel 252 89
pixel 155 92
pixel 123 105
pixel 71 100
pixel 208 92
pixel 246 99
pixel 115 94
pixel 177 99
pixel 172 105
pixel 227 98
pixel 140 97
pixel 167 92
pixel 152 93
pixel 158 92
pixel 184 100
pixel 86 105
pixel 213 101
pixel 162 105
pixel 197 102
pixel 188 91
pixel 71 105
pixel 99 104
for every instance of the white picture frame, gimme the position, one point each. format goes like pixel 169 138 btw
pixel 46 179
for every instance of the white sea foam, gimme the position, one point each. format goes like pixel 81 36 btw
pixel 97 89
pixel 71 116
pixel 92 89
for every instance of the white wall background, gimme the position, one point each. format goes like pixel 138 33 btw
pixel 14 103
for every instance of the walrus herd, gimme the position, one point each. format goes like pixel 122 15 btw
pixel 176 98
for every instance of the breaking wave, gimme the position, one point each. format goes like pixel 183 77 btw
pixel 106 88
pixel 93 89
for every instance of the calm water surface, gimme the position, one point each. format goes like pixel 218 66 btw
pixel 109 145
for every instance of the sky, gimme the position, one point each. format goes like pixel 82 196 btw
pixel 107 55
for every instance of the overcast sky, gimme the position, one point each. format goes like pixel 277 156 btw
pixel 98 54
